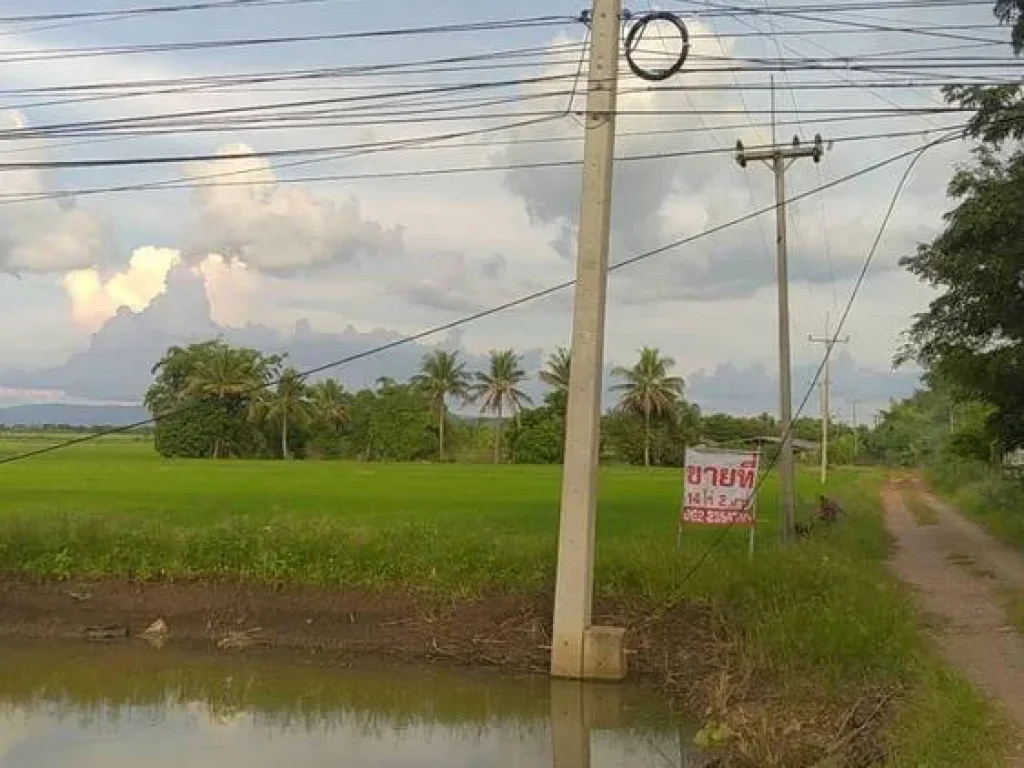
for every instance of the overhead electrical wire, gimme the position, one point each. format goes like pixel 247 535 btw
pixel 397 144
pixel 333 122
pixel 498 25
pixel 10 198
pixel 433 114
pixel 494 310
pixel 18 56
pixel 152 10
pixel 795 12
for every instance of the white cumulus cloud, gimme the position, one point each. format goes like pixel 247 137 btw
pixel 274 227
pixel 40 233
pixel 95 298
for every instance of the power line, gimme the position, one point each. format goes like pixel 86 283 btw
pixel 513 303
pixel 124 13
pixel 499 25
pixel 14 198
pixel 157 123
pixel 802 14
pixel 398 144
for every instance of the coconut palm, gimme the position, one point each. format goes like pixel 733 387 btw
pixel 648 389
pixel 231 376
pixel 442 375
pixel 286 404
pixel 327 399
pixel 556 372
pixel 497 390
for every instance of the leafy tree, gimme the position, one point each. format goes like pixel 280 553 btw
pixel 973 333
pixel 538 436
pixel 442 375
pixel 497 391
pixel 649 390
pixel 662 443
pixel 400 425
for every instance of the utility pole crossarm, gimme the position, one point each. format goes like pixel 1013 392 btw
pixel 796 151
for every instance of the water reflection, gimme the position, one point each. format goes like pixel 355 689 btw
pixel 120 707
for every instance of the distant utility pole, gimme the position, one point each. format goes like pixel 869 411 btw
pixel 856 432
pixel 830 342
pixel 574 582
pixel 779 158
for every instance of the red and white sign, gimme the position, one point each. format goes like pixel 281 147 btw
pixel 718 487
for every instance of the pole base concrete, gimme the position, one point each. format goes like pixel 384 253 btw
pixel 601 657
pixel 604 653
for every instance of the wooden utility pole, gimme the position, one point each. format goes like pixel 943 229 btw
pixel 574 582
pixel 779 158
pixel 830 342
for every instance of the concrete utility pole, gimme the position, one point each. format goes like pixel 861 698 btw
pixel 829 341
pixel 779 158
pixel 856 432
pixel 578 650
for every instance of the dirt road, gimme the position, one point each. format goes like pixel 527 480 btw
pixel 963 578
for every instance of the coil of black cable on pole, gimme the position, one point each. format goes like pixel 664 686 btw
pixel 636 34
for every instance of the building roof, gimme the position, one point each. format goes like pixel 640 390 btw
pixel 798 444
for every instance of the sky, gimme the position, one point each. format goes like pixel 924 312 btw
pixel 385 234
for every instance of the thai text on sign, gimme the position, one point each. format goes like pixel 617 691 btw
pixel 718 487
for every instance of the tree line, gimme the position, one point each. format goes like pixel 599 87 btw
pixel 214 400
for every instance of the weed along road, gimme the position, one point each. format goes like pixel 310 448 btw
pixel 806 652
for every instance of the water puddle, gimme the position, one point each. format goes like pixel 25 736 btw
pixel 127 707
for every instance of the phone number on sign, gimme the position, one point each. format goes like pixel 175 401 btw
pixel 717 516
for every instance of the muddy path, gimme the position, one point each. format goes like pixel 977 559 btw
pixel 962 577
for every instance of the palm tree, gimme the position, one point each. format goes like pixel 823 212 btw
pixel 327 398
pixel 442 375
pixel 231 376
pixel 288 403
pixel 648 389
pixel 556 374
pixel 498 390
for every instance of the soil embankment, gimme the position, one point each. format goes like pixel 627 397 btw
pixel 500 630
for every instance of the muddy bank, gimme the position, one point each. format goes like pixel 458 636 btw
pixel 505 631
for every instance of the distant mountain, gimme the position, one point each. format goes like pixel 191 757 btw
pixel 72 415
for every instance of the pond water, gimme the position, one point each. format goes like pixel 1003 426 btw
pixel 121 707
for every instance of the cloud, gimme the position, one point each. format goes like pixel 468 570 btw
pixel 95 299
pixel 43 235
pixel 753 389
pixel 273 227
pixel 690 183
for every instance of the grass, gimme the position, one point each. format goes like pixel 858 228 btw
pixel 997 503
pixel 819 619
